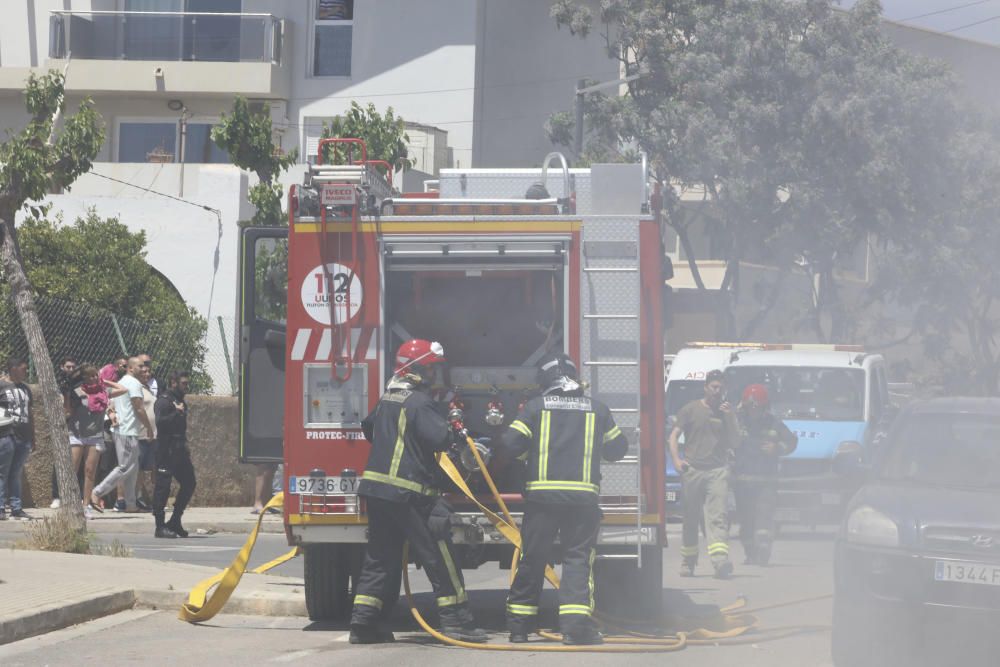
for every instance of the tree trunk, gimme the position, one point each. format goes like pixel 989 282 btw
pixel 52 404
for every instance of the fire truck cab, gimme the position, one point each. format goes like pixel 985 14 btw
pixel 498 265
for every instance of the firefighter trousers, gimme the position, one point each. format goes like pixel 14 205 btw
pixel 173 461
pixel 755 503
pixel 706 493
pixel 427 529
pixel 577 527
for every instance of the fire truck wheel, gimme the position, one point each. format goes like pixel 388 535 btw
pixel 327 575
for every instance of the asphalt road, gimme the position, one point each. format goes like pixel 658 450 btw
pixel 801 569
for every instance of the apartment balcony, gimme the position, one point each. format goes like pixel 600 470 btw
pixel 171 52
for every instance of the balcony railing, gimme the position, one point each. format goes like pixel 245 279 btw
pixel 165 36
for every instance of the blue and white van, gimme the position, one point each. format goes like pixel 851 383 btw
pixel 836 399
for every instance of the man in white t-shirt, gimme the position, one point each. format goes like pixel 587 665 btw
pixel 132 423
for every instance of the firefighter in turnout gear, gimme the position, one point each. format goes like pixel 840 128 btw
pixel 406 431
pixel 765 438
pixel 563 435
pixel 710 433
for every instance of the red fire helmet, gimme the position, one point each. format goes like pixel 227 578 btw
pixel 418 352
pixel 756 394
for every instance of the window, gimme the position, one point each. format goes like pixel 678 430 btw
pixel 159 141
pixel 147 142
pixel 199 147
pixel 332 37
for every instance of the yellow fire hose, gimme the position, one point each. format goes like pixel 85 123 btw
pixel 204 603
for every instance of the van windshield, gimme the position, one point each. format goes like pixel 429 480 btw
pixel 820 394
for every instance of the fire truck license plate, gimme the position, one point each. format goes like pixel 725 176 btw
pixel 323 486
pixel 967 573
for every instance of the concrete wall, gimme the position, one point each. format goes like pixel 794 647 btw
pixel 213 432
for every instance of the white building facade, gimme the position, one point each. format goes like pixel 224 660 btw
pixel 475 81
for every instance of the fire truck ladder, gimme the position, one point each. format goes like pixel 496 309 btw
pixel 367 189
pixel 610 303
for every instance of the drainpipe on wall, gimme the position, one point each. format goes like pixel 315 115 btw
pixel 180 153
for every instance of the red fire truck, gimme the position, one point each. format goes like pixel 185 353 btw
pixel 500 272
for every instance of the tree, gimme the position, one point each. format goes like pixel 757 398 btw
pixel 100 264
pixel 39 159
pixel 799 123
pixel 384 134
pixel 248 137
pixel 946 271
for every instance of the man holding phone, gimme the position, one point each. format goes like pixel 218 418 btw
pixel 710 431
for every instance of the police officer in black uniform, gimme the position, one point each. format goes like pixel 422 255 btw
pixel 173 458
pixel 564 435
pixel 406 431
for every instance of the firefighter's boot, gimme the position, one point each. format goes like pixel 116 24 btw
pixel 175 524
pixel 588 636
pixel 723 569
pixel 458 623
pixel 370 634
pixel 162 530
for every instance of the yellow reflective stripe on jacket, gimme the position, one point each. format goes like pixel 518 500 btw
pixel 521 428
pixel 612 434
pixel 368 600
pixel 574 609
pixel 397 453
pixel 556 485
pixel 588 446
pixel 543 446
pixel 456 583
pixel 373 476
pixel 522 609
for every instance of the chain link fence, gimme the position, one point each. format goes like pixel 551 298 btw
pixel 90 335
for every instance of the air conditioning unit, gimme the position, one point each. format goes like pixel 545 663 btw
pixel 276 109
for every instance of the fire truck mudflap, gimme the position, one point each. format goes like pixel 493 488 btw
pixel 499 280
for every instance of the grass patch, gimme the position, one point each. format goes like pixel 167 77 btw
pixel 57 534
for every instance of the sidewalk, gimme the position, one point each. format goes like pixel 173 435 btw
pixel 41 592
pixel 213 519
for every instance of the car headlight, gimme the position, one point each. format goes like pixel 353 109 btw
pixel 866 525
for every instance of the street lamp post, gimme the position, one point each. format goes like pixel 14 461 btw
pixel 581 90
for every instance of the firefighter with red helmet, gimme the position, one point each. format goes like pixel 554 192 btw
pixel 399 485
pixel 563 435
pixel 765 438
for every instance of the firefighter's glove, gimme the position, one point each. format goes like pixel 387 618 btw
pixel 439 521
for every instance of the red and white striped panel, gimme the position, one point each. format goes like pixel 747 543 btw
pixel 317 345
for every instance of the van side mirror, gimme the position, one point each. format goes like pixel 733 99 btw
pixel 851 465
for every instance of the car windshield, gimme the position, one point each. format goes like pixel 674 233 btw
pixel 803 393
pixel 682 392
pixel 947 449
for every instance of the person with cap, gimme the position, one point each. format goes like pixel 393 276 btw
pixel 710 432
pixel 765 438
pixel 399 486
pixel 563 434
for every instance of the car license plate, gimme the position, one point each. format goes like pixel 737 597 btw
pixel 787 515
pixel 967 573
pixel 323 486
pixel 671 496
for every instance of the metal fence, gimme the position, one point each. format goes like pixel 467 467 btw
pixel 95 336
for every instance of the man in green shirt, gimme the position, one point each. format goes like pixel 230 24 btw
pixel 710 432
